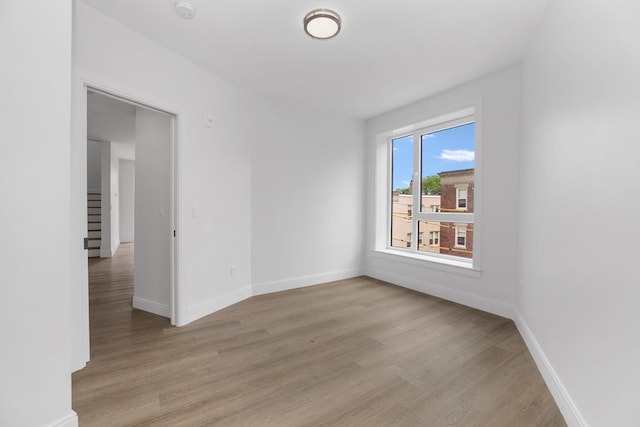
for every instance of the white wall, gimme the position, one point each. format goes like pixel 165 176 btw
pixel 492 289
pixel 214 225
pixel 110 119
pixel 114 175
pixel 307 178
pixel 94 152
pixel 125 150
pixel 153 233
pixel 579 257
pixel 105 205
pixel 213 163
pixel 35 324
pixel 127 200
pixel 103 175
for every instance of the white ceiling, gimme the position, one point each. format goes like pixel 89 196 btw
pixel 388 54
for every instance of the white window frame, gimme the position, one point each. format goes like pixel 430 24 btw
pixel 383 199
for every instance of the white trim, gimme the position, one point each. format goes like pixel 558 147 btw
pixel 432 260
pixel 383 198
pixel 489 305
pixel 81 351
pixel 178 302
pixel 212 305
pixel 303 281
pixel 567 406
pixel 70 420
pixel 152 307
pixel 116 89
pixel 451 113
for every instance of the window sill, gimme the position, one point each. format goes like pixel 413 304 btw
pixel 435 263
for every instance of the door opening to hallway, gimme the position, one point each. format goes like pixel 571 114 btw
pixel 130 208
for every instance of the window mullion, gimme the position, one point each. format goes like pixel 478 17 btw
pixel 445 217
pixel 416 190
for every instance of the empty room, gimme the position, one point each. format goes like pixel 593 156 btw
pixel 407 213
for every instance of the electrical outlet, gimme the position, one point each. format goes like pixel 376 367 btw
pixel 208 120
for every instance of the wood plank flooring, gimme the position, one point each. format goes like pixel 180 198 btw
pixel 356 352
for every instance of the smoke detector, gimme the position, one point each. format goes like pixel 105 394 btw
pixel 184 10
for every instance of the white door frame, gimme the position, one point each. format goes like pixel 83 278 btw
pixel 79 168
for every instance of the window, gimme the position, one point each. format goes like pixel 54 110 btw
pixel 434 238
pixel 461 198
pixel 461 236
pixel 434 169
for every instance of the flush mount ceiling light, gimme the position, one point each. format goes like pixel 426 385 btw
pixel 322 23
pixel 184 10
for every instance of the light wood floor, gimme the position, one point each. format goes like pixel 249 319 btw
pixel 357 352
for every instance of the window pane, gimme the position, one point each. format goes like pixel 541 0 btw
pixel 448 167
pixel 402 172
pixel 447 238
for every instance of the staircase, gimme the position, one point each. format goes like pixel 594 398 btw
pixel 94 223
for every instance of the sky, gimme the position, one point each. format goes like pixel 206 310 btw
pixel 445 150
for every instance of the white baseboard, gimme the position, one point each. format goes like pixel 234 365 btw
pixel 475 301
pixel 300 282
pixel 211 306
pixel 152 307
pixel 566 405
pixel 71 420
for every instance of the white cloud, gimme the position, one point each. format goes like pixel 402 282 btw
pixel 458 155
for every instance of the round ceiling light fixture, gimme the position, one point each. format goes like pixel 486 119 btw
pixel 322 23
pixel 185 10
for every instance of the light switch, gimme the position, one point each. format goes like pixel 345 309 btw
pixel 161 210
pixel 208 120
pixel 195 211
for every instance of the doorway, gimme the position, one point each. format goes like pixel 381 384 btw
pixel 131 194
